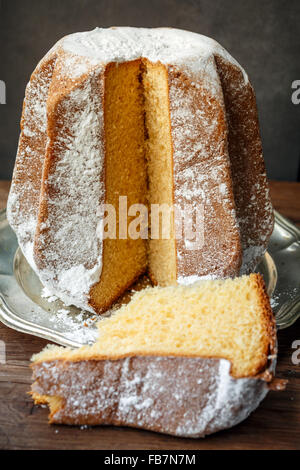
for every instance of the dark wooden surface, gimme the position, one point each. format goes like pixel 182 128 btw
pixel 275 425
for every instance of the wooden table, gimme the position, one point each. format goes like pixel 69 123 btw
pixel 275 425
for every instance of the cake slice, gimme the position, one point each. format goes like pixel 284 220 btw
pixel 181 360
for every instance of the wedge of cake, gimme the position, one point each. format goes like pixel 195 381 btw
pixel 181 360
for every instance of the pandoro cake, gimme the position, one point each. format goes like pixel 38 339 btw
pixel 159 116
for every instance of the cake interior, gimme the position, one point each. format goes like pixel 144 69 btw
pixel 124 260
pixel 229 319
pixel 162 250
pixel 138 164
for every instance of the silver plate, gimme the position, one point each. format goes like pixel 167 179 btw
pixel 23 308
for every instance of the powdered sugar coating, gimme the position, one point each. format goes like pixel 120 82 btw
pixel 202 175
pixel 70 247
pixel 187 397
pixel 24 196
pixel 166 45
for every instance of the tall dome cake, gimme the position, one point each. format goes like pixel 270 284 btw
pixel 153 116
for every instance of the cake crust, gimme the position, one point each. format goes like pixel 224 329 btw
pixel 209 183
pixel 253 204
pixel 136 392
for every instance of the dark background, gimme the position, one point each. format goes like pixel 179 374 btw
pixel 263 35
